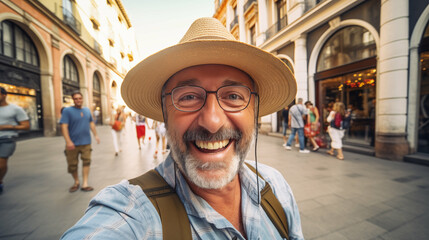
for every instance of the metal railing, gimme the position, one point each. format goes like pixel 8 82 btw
pixel 276 27
pixel 71 21
pixel 248 4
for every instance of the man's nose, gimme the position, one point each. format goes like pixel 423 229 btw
pixel 212 117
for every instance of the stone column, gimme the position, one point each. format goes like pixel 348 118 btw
pixel 262 16
pixel 301 73
pixel 241 21
pixel 105 109
pixel 392 81
pixel 85 93
pixel 48 105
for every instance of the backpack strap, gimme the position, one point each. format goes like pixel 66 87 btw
pixel 273 208
pixel 174 219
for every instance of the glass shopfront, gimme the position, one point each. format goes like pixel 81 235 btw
pixel 346 72
pixel 96 99
pixel 423 130
pixel 28 100
pixel 357 91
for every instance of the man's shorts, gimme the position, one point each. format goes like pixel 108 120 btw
pixel 7 147
pixel 72 157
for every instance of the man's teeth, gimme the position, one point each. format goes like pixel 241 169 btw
pixel 212 145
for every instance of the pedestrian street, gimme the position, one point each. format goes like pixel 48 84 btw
pixel 361 197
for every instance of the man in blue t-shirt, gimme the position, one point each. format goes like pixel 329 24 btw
pixel 75 124
pixel 12 118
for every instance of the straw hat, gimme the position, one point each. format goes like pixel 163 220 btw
pixel 208 42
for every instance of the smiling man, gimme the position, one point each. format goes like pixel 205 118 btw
pixel 210 91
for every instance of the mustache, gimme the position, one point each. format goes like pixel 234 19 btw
pixel 202 134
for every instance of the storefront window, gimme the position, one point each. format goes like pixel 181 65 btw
pixel 348 45
pixel 96 96
pixel 27 99
pixel 357 91
pixel 423 130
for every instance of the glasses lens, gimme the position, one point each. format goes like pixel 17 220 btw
pixel 188 98
pixel 233 98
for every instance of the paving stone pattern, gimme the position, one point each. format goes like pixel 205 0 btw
pixel 361 197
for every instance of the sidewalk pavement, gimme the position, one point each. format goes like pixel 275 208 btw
pixel 361 197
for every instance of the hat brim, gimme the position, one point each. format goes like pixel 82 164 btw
pixel 141 88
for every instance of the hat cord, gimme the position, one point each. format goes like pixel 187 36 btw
pixel 256 145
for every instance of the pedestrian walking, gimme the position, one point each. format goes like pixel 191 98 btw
pixel 97 115
pixel 76 122
pixel 312 127
pixel 160 132
pixel 118 124
pixel 285 124
pixel 141 123
pixel 12 119
pixel 209 103
pixel 296 114
pixel 335 129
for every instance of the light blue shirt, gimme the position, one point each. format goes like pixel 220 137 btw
pixel 11 114
pixel 123 211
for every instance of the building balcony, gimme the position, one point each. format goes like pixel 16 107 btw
pixel 234 22
pixel 71 21
pixel 248 4
pixel 276 27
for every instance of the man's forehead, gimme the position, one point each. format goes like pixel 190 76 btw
pixel 210 73
pixel 194 81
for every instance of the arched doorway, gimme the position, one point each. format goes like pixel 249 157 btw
pixel 346 72
pixel 423 121
pixel 96 98
pixel 20 72
pixel 70 80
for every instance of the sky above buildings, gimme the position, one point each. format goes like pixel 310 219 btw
pixel 160 24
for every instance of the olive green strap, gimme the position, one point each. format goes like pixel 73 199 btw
pixel 273 208
pixel 174 219
pixel 175 222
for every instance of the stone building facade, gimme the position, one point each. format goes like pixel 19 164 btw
pixel 51 48
pixel 372 55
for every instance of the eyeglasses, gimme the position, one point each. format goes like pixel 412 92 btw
pixel 233 98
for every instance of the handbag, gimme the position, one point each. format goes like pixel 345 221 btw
pixel 311 130
pixel 117 125
pixel 315 128
pixel 321 141
pixel 307 130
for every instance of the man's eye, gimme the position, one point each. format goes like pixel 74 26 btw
pixel 233 96
pixel 188 97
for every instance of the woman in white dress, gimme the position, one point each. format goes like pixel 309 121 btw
pixel 160 133
pixel 336 132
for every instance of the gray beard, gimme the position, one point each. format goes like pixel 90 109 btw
pixel 189 165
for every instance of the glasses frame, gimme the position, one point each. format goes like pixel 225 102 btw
pixel 205 99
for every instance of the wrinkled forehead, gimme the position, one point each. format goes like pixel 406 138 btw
pixel 214 75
